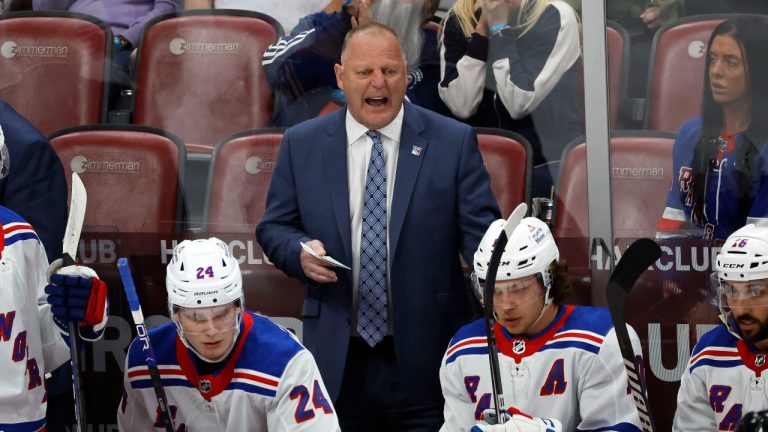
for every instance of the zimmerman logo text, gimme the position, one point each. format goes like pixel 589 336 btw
pixel 179 46
pixel 11 49
pixel 81 164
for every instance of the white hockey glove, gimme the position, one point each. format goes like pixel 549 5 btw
pixel 76 294
pixel 517 422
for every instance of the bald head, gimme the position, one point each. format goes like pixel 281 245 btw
pixel 371 28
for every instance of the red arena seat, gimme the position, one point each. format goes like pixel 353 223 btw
pixel 131 174
pixel 641 173
pixel 241 170
pixel 508 158
pixel 54 67
pixel 199 74
pixel 617 55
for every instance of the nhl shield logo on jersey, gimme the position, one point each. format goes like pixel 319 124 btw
pixel 518 346
pixel 205 386
pixel 759 360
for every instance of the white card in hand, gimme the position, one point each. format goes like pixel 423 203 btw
pixel 325 258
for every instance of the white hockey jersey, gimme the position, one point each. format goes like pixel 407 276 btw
pixel 572 371
pixel 270 383
pixel 723 381
pixel 30 343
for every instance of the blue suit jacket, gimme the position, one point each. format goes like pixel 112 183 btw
pixel 36 187
pixel 441 206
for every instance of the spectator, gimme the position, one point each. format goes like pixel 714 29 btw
pixel 299 67
pixel 719 157
pixel 725 376
pixel 378 330
pixel 224 368
pixel 515 68
pixel 287 13
pixel 555 360
pixel 127 18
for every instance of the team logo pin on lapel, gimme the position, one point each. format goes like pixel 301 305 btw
pixel 416 150
pixel 518 346
pixel 759 360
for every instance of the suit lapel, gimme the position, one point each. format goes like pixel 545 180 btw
pixel 413 149
pixel 334 154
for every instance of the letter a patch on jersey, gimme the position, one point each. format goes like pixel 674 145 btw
pixel 555 383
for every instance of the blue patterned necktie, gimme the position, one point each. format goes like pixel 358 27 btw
pixel 372 305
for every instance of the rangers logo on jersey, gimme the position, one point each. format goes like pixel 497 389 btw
pixel 518 346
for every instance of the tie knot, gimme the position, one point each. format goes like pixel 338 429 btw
pixel 374 135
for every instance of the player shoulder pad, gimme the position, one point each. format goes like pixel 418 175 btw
pixel 268 347
pixel 717 337
pixel 590 319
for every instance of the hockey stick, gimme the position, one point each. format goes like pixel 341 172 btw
pixel 75 220
pixel 141 330
pixel 636 259
pixel 490 281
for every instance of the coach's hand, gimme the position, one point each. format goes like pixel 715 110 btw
pixel 76 294
pixel 314 268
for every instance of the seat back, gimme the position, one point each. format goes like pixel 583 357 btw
pixel 238 182
pixel 131 174
pixel 54 67
pixel 676 75
pixel 617 56
pixel 641 172
pixel 508 158
pixel 199 74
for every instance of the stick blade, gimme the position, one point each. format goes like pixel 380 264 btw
pixel 636 259
pixel 77 205
pixel 514 218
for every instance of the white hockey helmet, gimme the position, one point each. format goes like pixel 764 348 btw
pixel 202 274
pixel 744 256
pixel 530 251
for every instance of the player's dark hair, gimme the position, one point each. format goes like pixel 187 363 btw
pixel 561 283
pixel 751 33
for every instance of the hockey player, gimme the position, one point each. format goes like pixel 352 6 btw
pixel 726 374
pixel 556 360
pixel 223 368
pixel 33 333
